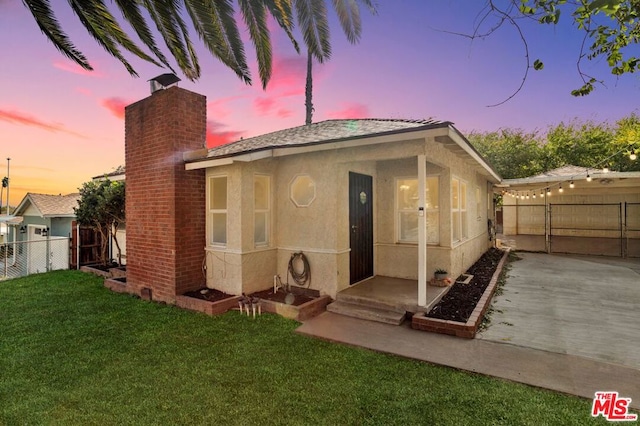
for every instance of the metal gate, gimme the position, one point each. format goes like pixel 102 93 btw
pixel 594 229
pixel 632 229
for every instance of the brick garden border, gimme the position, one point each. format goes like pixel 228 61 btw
pixel 460 329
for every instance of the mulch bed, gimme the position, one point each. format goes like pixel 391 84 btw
pixel 208 294
pixel 461 299
pixel 213 295
pixel 279 296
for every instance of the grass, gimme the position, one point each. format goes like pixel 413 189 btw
pixel 72 352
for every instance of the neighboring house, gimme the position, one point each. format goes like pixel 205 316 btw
pixel 42 211
pixel 587 211
pixel 352 195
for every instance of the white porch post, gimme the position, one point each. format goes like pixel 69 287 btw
pixel 422 231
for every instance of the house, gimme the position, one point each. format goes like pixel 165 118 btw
pixel 573 210
pixel 396 198
pixel 53 213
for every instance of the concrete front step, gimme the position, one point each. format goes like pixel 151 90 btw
pixel 366 312
pixel 368 301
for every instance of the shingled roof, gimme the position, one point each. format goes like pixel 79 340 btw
pixel 323 132
pixel 51 205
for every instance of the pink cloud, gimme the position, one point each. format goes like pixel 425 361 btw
pixel 264 105
pixel 16 117
pixel 350 110
pixel 284 113
pixel 220 107
pixel 115 106
pixel 289 75
pixel 74 68
pixel 216 136
pixel 84 91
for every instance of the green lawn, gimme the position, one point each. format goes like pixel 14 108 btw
pixel 72 352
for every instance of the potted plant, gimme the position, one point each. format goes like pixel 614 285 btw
pixel 440 274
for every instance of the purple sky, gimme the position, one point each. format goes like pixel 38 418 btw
pixel 61 125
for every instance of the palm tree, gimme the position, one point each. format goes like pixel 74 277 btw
pixel 213 21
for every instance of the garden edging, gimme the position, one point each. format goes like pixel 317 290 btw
pixel 470 328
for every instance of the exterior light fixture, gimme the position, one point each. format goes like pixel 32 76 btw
pixel 534 194
pixel 632 156
pixel 572 185
pixel 548 191
pixel 541 193
pixel 527 195
pixel 560 188
pixel 23 229
pixel 588 177
pixel 45 232
pixel 605 170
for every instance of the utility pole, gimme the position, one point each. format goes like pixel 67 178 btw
pixel 8 183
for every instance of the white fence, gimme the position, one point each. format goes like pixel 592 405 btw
pixel 22 258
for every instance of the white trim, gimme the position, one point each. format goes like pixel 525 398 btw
pixel 220 249
pixel 422 230
pixel 208 163
pixel 211 212
pixel 267 211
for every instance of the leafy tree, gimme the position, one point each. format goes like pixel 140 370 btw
pixel 102 207
pixel 213 20
pixel 580 144
pixel 627 139
pixel 513 153
pixel 611 28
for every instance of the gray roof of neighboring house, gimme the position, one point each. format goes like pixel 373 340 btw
pixel 51 205
pixel 323 132
pixel 116 175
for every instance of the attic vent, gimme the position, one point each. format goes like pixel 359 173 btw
pixel 163 81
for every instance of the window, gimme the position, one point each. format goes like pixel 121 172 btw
pixel 261 209
pixel 407 210
pixel 218 209
pixel 459 223
pixel 478 203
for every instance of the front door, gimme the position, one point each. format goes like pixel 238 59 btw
pixel 360 226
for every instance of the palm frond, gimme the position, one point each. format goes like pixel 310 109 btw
pixel 166 16
pixel 255 17
pixel 48 24
pixel 101 25
pixel 312 19
pixel 283 14
pixel 215 24
pixel 131 12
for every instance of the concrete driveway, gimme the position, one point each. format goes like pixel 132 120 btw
pixel 584 306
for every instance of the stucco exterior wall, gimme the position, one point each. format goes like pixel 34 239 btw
pixel 321 229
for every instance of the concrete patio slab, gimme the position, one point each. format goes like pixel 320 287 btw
pixel 582 306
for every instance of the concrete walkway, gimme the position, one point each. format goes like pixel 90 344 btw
pixel 570 371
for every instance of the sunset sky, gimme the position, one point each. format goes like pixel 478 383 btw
pixel 61 125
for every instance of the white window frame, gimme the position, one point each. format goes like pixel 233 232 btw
pixel 218 211
pixel 266 211
pixel 462 224
pixel 478 203
pixel 398 211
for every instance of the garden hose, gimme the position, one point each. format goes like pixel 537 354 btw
pixel 302 278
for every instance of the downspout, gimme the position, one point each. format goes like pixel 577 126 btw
pixel 422 231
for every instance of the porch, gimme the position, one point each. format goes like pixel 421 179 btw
pixel 384 299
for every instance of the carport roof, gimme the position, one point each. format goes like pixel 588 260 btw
pixel 566 173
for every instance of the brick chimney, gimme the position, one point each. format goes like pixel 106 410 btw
pixel 165 204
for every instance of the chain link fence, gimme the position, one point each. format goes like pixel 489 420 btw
pixel 22 258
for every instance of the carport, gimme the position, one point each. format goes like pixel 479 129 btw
pixel 573 210
pixel 576 305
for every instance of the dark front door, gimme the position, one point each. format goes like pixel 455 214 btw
pixel 361 226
